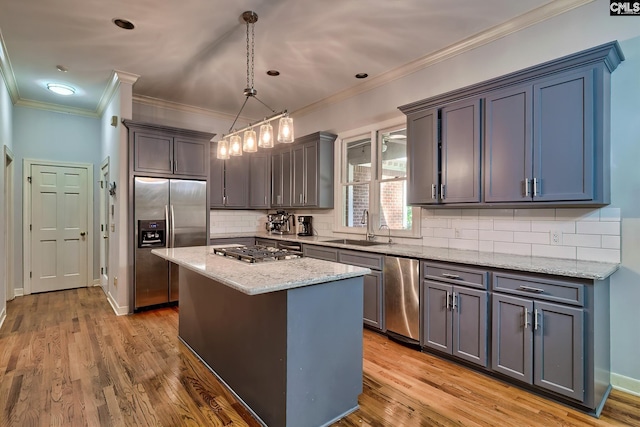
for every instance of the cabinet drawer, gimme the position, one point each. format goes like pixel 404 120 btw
pixel 456 275
pixel 563 291
pixel 361 259
pixel 320 252
pixel 266 242
pixel 248 241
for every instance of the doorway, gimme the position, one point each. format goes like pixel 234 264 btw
pixel 58 224
pixel 104 225
pixel 8 223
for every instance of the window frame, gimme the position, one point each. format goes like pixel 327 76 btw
pixel 374 132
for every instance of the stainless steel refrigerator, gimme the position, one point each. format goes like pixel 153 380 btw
pixel 167 213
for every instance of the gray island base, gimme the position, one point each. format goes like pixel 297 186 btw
pixel 285 338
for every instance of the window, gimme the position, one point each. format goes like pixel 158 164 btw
pixel 374 184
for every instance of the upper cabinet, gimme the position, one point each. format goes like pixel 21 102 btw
pixel 229 182
pixel 165 151
pixel 536 136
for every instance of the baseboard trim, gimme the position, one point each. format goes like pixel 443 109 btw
pixel 96 282
pixel 625 384
pixel 119 311
pixel 18 292
pixel 3 316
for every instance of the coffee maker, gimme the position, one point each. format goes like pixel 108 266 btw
pixel 304 226
pixel 280 223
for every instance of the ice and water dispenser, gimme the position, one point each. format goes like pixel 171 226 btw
pixel 152 233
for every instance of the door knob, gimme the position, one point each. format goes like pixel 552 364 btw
pixel 105 237
pixel 82 233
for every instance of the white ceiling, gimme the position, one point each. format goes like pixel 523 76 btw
pixel 193 52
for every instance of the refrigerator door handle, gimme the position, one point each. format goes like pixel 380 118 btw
pixel 166 218
pixel 172 228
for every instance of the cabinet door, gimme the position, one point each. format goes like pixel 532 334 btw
pixel 564 137
pixel 437 327
pixel 190 157
pixel 311 174
pixel 373 300
pixel 460 152
pixel 152 153
pixel 508 145
pixel 236 182
pixel 286 178
pixel 260 180
pixel 297 184
pixel 422 157
pixel 470 324
pixel 216 181
pixel 276 179
pixel 512 339
pixel 559 349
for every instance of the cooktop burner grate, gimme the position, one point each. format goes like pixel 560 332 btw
pixel 257 253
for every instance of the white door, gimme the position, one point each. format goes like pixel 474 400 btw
pixel 59 228
pixel 104 227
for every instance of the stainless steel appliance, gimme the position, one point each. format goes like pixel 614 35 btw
pixel 402 298
pixel 167 213
pixel 305 227
pixel 257 253
pixel 280 222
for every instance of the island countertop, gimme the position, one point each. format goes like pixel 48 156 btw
pixel 259 278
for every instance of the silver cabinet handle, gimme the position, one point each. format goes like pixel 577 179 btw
pixel 527 193
pixel 531 289
pixel 442 191
pixel 301 202
pixel 535 319
pixel 526 318
pixel 447 303
pixel 535 187
pixel 265 200
pixel 278 199
pixel 454 301
pixel 175 166
pixel 450 276
pixel 224 200
pixel 433 191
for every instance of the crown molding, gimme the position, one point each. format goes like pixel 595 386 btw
pixel 518 23
pixel 57 108
pixel 161 103
pixel 115 79
pixel 7 72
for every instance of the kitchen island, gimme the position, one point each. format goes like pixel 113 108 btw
pixel 285 336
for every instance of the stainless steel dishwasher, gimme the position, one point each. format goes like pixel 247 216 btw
pixel 402 298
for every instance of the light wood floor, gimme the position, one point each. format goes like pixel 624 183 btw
pixel 67 360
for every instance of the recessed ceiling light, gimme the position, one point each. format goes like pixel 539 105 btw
pixel 124 24
pixel 61 89
pixel 62 68
pixel 362 75
pixel 273 73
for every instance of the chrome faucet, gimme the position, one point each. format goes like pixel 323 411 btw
pixel 366 220
pixel 389 229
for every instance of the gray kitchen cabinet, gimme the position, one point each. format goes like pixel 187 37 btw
pixel 455 317
pixel 541 141
pixel 422 156
pixel 229 182
pixel 312 171
pixel 281 178
pixel 247 241
pixel 460 152
pixel 538 334
pixel 162 151
pixel 373 282
pixel 320 252
pixel 259 180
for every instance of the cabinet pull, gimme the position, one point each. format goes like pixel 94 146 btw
pixel 265 200
pixel 447 302
pixel 433 191
pixel 278 198
pixel 442 191
pixel 453 300
pixel 224 200
pixel 535 187
pixel 526 318
pixel 527 193
pixel 301 202
pixel 535 319
pixel 450 276
pixel 530 289
pixel 175 166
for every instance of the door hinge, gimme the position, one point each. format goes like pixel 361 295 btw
pixel 101 227
pixel 30 227
pixel 30 274
pixel 101 184
pixel 101 270
pixel 29 179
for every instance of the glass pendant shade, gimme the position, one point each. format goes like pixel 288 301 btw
pixel 285 130
pixel 266 136
pixel 250 143
pixel 223 149
pixel 236 145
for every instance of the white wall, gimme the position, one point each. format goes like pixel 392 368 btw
pixel 6 139
pixel 48 135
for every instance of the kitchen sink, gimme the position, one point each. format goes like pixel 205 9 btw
pixel 356 242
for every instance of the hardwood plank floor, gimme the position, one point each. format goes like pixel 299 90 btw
pixel 67 360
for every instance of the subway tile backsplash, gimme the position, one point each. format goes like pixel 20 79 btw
pixel 582 234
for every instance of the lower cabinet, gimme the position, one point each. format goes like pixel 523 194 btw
pixel 455 317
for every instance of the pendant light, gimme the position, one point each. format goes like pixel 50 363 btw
pixel 235 146
pixel 223 149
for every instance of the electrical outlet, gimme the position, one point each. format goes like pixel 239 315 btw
pixel 556 237
pixel 457 233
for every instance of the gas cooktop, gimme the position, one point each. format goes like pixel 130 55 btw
pixel 257 253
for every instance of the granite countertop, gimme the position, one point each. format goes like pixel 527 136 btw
pixel 562 267
pixel 259 278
